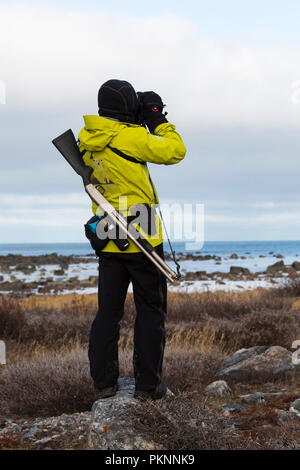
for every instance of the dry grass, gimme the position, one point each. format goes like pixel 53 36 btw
pixel 178 424
pixel 47 371
pixel 224 320
pixel 201 321
pixel 50 384
pixel 74 303
pixel 58 382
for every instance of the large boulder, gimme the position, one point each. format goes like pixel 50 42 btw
pixel 112 426
pixel 296 265
pixel 258 363
pixel 239 270
pixel 295 407
pixel 276 267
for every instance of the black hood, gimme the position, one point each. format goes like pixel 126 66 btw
pixel 118 99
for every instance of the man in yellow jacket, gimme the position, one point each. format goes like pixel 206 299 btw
pixel 117 147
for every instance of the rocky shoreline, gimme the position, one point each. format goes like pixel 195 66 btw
pixel 53 273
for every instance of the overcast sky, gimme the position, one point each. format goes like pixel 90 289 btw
pixel 228 71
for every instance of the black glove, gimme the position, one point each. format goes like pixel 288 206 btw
pixel 152 107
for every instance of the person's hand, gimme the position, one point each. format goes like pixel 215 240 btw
pixel 152 110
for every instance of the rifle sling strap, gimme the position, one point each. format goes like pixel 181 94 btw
pixel 134 160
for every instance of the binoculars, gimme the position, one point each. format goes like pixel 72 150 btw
pixel 140 108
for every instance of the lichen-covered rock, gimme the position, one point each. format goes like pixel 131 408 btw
pixel 284 416
pixel 258 362
pixel 112 427
pixel 233 407
pixel 243 354
pixel 295 407
pixel 219 388
pixel 256 398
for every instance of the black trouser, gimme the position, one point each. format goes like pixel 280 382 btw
pixel 116 270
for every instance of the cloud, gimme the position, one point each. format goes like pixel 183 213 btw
pixel 234 100
pixel 16 202
pixel 2 92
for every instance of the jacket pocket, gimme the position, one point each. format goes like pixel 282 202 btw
pixel 96 243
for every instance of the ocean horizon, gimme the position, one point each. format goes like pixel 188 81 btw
pixel 286 248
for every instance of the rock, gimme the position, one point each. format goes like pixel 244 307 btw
pixel 292 273
pixel 25 268
pixel 279 256
pixel 219 388
pixel 283 416
pixel 196 275
pixel 243 354
pixel 233 256
pixel 296 265
pixel 93 279
pixel 43 442
pixel 4 421
pixel 256 363
pixel 233 408
pixel 256 398
pixel 14 286
pixel 285 369
pixel 274 268
pixel 112 427
pixel 295 407
pixel 1 278
pixel 239 270
pixel 58 272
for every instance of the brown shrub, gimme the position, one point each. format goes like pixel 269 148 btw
pixel 266 328
pixel 10 442
pixel 290 287
pixel 178 424
pixel 75 304
pixel 204 321
pixel 190 370
pixel 50 326
pixel 50 385
pixel 12 318
pixel 55 330
pixel 219 304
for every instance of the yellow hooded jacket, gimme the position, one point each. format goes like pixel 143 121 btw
pixel 122 182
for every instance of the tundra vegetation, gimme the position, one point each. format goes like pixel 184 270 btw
pixel 47 373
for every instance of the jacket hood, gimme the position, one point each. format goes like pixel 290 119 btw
pixel 98 132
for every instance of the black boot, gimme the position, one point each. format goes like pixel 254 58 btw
pixel 107 392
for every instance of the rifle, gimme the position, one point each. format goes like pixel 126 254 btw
pixel 66 144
